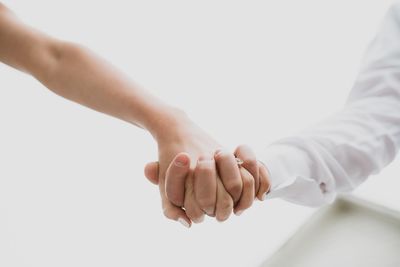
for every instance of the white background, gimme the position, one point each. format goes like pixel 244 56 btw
pixel 72 190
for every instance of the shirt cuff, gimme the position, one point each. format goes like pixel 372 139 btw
pixel 290 170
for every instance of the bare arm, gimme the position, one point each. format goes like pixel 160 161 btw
pixel 76 73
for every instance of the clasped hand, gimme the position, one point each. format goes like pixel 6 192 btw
pixel 197 178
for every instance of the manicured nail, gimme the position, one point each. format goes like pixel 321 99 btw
pixel 184 222
pixel 238 213
pixel 181 161
pixel 199 220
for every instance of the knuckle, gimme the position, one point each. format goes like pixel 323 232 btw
pixel 234 188
pixel 226 204
pixel 250 162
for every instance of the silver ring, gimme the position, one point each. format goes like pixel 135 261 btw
pixel 239 162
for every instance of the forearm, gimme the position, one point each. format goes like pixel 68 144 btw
pixel 342 151
pixel 81 76
pixel 76 73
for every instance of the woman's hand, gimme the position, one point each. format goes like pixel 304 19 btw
pixel 179 134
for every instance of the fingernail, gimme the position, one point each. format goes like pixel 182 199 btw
pixel 184 222
pixel 221 220
pixel 220 151
pixel 209 211
pixel 264 197
pixel 181 161
pixel 199 220
pixel 238 213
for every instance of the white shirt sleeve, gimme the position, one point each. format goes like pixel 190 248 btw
pixel 339 153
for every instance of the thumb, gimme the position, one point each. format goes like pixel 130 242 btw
pixel 151 172
pixel 175 179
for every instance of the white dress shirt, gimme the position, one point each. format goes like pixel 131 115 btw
pixel 339 153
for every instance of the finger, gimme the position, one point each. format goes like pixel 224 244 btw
pixel 246 154
pixel 205 184
pixel 151 172
pixel 175 213
pixel 247 198
pixel 171 211
pixel 193 210
pixel 265 184
pixel 175 179
pixel 229 172
pixel 224 206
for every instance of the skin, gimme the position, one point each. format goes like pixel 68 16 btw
pixel 203 174
pixel 190 184
pixel 197 185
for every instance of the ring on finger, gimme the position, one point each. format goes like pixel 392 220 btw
pixel 239 162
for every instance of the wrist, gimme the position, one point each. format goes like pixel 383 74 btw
pixel 3 8
pixel 167 123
